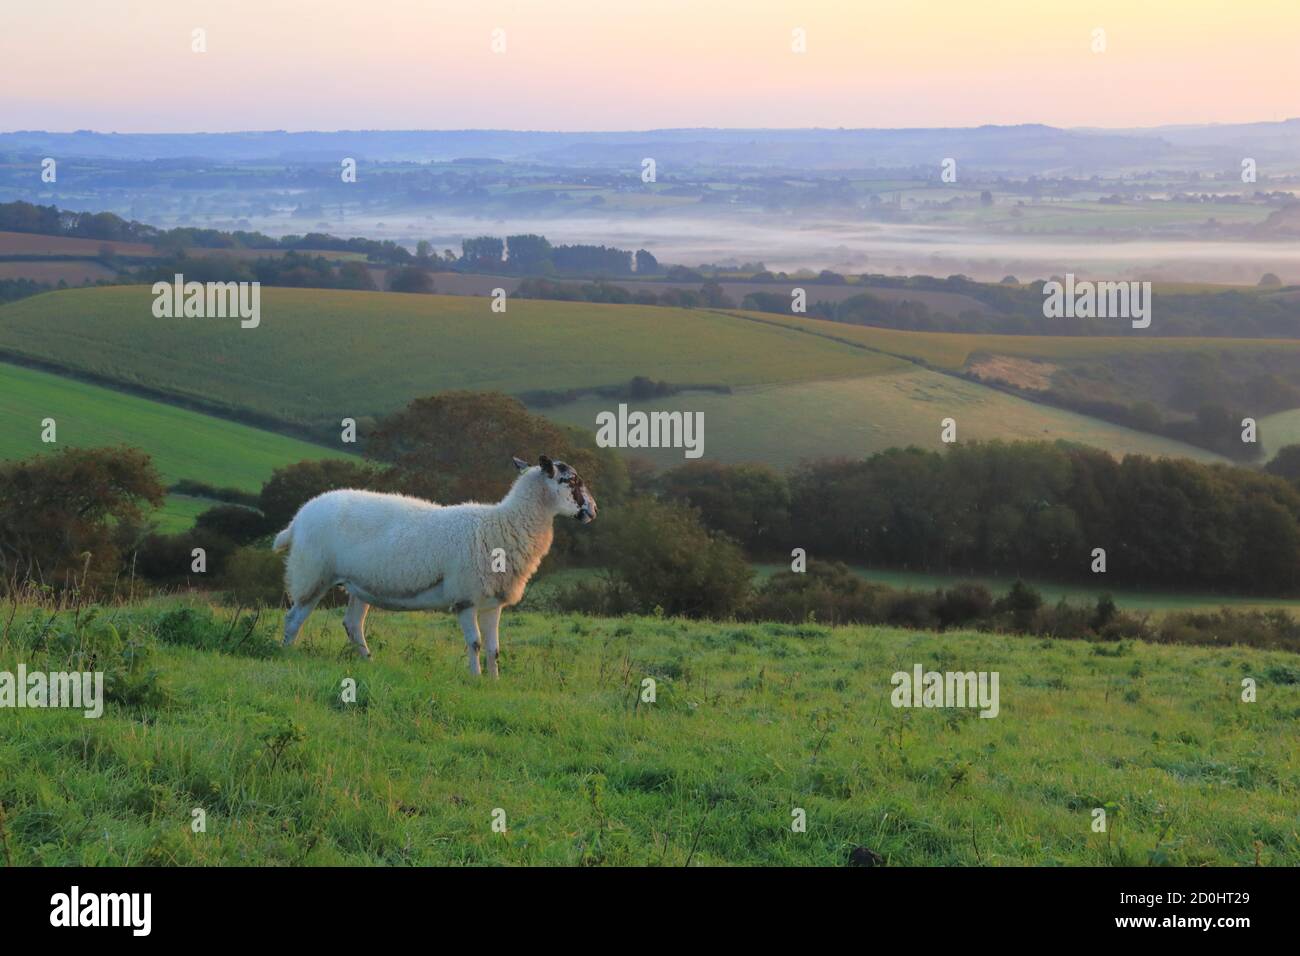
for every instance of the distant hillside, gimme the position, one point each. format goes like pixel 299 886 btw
pixel 1027 149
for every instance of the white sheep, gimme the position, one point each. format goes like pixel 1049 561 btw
pixel 405 554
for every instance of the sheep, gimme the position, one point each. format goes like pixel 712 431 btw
pixel 406 554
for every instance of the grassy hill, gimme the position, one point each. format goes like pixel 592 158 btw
pixel 183 443
pixel 782 424
pixel 319 355
pixel 749 722
pixel 952 350
pixel 803 387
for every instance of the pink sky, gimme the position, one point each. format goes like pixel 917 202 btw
pixel 127 65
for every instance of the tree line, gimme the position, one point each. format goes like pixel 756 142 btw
pixel 682 540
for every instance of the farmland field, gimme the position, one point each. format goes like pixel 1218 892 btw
pixel 183 443
pixel 749 722
pixel 951 350
pixel 319 355
pixel 781 424
pixel 71 271
pixel 35 244
pixel 803 387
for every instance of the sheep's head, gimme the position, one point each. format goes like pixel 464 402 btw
pixel 567 492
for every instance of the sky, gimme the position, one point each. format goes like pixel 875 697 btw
pixel 129 66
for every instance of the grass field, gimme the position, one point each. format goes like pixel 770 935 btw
pixel 183 443
pixel 178 512
pixel 803 387
pixel 782 424
pixel 319 355
pixel 750 723
pixel 951 350
pixel 1279 430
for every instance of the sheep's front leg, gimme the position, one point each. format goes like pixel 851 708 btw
pixel 469 624
pixel 490 619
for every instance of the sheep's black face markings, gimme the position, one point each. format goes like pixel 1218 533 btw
pixel 586 506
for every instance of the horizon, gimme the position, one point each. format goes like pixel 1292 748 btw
pixel 407 64
pixel 654 129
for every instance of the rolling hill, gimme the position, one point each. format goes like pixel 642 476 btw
pixel 183 443
pixel 798 387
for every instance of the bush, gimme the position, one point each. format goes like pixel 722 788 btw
pixel 1021 605
pixel 827 592
pixel 241 525
pixel 666 559
pixel 1274 629
pixel 254 577
pixel 169 558
pixel 963 605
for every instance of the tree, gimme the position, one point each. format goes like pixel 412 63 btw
pixel 1286 463
pixel 410 279
pixel 748 502
pixel 529 255
pixel 241 525
pixel 60 514
pixel 428 450
pixel 667 559
pixel 356 275
pixel 483 252
pixel 646 264
pixel 292 486
pixel 1269 280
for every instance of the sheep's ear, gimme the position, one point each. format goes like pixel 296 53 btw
pixel 548 466
pixel 520 464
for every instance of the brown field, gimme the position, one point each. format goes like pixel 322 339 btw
pixel 1022 373
pixel 31 244
pixel 72 271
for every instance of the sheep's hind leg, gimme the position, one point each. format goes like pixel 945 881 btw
pixel 490 620
pixel 297 616
pixel 468 617
pixel 354 622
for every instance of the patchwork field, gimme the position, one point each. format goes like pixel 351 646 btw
pixel 749 724
pixel 320 355
pixel 183 443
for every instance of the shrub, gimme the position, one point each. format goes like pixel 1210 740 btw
pixel 667 559
pixel 827 592
pixel 254 577
pixel 241 525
